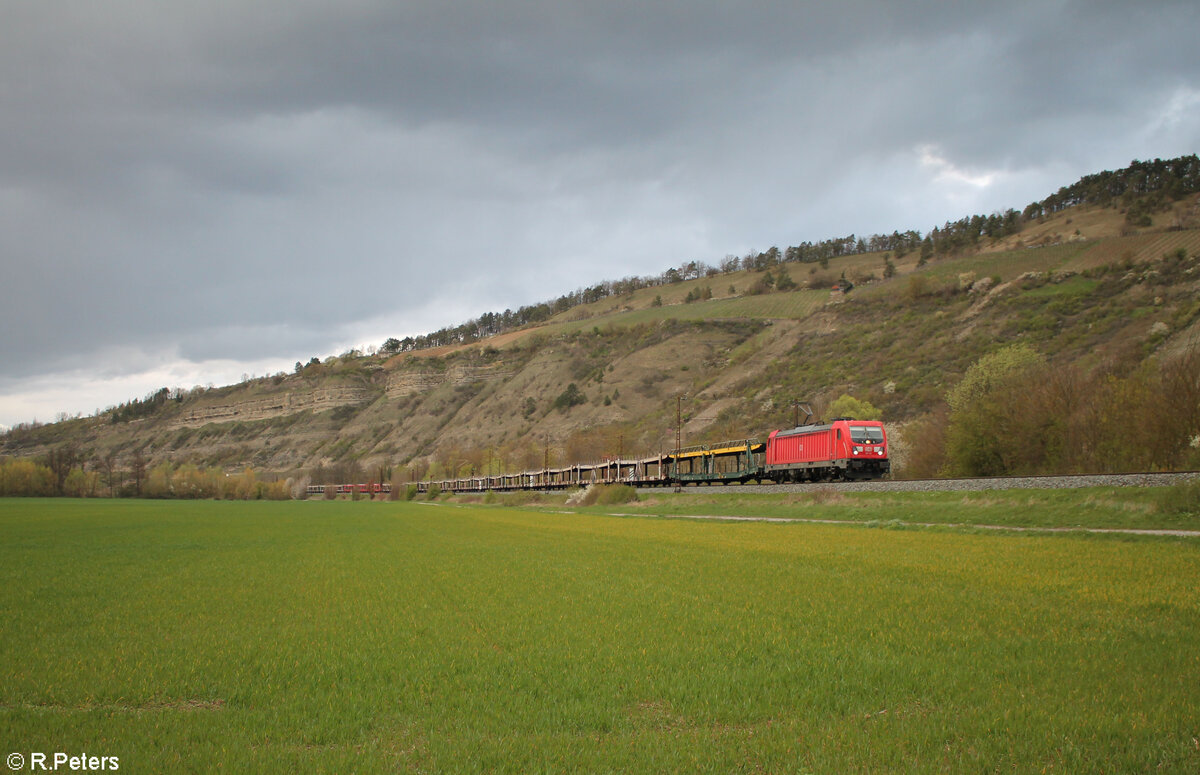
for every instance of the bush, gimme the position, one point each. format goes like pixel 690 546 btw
pixel 434 491
pixel 848 406
pixel 81 484
pixel 919 451
pixel 985 437
pixel 572 396
pixel 24 477
pixel 918 286
pixel 762 285
pixel 989 372
pixel 1014 413
pixel 521 498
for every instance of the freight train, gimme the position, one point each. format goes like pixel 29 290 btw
pixel 370 488
pixel 843 449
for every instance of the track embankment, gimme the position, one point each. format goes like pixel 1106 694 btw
pixel 963 485
pixel 944 525
pixel 982 483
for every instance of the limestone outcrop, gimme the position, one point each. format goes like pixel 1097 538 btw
pixel 275 405
pixel 406 383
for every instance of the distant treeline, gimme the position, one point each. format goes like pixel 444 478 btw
pixel 1156 181
pixel 66 472
pixel 1142 188
pixel 136 409
pixel 348 472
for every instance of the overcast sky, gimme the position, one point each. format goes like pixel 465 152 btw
pixel 191 191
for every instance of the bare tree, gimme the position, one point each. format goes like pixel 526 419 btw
pixel 137 469
pixel 107 463
pixel 60 461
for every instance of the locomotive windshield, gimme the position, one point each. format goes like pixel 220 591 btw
pixel 866 435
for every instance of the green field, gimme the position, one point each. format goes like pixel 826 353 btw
pixel 382 637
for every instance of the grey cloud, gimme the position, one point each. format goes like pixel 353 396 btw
pixel 270 179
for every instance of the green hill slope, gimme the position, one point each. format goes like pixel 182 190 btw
pixel 1079 286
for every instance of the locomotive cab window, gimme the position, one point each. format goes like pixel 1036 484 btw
pixel 866 435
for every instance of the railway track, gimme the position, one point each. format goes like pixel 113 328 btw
pixel 1070 481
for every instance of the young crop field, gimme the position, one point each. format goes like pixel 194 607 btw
pixel 1009 264
pixel 1146 247
pixel 383 637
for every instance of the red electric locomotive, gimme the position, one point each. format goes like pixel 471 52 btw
pixel 842 449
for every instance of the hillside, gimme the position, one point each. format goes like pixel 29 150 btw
pixel 1081 285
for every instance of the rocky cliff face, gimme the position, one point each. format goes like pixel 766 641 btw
pixel 278 405
pixel 415 382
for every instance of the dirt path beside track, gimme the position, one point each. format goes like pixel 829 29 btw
pixel 956 525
